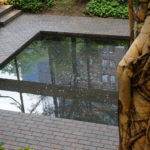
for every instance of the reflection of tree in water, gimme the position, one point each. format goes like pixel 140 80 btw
pixel 44 101
pixel 20 93
pixel 28 58
pixel 57 51
pixel 64 55
pixel 81 109
pixel 9 68
pixel 13 68
pixel 14 102
pixel 48 110
pixel 74 62
pixel 78 108
pixel 48 106
pixel 59 58
pixel 88 55
pixel 34 106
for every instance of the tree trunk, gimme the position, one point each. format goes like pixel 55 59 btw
pixel 141 10
pixel 131 20
pixel 137 17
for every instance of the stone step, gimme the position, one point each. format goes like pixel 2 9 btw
pixel 9 17
pixel 4 9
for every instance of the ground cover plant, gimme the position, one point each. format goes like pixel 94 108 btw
pixel 2 148
pixel 1 145
pixel 31 5
pixel 101 8
pixel 108 8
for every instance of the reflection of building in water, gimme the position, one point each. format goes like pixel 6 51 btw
pixel 110 57
pixel 39 73
pixel 93 111
pixel 89 67
pixel 92 71
pixel 102 68
pixel 44 75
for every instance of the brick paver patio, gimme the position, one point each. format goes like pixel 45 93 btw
pixel 43 133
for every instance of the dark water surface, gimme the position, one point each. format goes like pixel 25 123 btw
pixel 64 77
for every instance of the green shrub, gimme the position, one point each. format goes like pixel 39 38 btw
pixel 31 5
pixel 1 146
pixel 26 148
pixel 107 8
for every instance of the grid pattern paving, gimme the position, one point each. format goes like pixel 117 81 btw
pixel 18 130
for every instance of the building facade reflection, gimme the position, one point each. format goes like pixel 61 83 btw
pixel 72 78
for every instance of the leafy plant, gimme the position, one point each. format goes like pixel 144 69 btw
pixel 107 8
pixel 122 1
pixel 1 145
pixel 32 5
pixel 26 148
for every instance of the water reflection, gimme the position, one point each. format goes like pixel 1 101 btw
pixel 64 77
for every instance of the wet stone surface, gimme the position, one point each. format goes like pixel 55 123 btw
pixel 64 77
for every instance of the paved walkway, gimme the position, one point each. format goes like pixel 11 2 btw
pixel 43 133
pixel 15 35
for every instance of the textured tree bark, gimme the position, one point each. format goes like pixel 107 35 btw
pixel 137 17
pixel 131 20
pixel 134 93
pixel 141 11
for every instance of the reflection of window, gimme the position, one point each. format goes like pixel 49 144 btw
pixel 108 79
pixel 112 79
pixel 105 49
pixel 108 63
pixel 112 64
pixel 105 62
pixel 109 49
pixel 105 78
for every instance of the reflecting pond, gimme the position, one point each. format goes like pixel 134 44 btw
pixel 65 77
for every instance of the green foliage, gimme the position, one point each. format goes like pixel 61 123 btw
pixel 32 5
pixel 1 146
pixel 107 8
pixel 26 148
